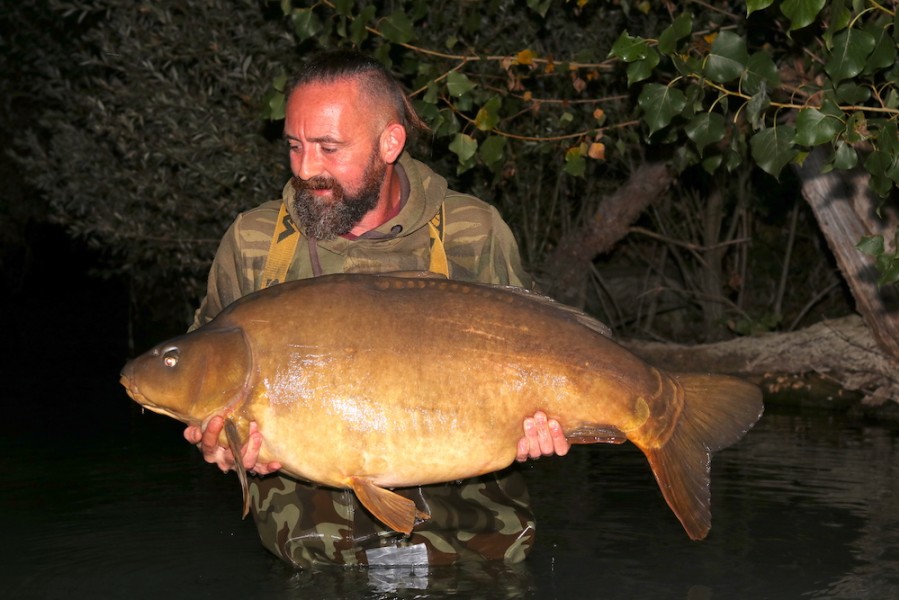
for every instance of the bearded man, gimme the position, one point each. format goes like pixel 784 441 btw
pixel 359 203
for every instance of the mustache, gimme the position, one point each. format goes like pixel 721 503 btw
pixel 315 183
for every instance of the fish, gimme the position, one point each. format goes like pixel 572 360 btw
pixel 378 382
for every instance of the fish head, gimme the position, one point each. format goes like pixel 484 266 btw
pixel 191 377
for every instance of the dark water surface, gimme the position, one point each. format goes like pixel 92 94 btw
pixel 98 500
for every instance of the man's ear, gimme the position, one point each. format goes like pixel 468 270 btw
pixel 392 142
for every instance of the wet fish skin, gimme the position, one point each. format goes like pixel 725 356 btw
pixel 373 382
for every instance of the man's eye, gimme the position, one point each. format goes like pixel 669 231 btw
pixel 295 147
pixel 328 150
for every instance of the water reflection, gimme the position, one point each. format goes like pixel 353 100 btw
pixel 116 505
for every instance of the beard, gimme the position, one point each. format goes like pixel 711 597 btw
pixel 326 218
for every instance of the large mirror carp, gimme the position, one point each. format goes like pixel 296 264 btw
pixel 373 382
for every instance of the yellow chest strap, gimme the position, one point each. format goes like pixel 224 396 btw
pixel 286 237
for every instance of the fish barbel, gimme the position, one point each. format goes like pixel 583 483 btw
pixel 372 382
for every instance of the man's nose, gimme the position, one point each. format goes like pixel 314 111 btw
pixel 307 165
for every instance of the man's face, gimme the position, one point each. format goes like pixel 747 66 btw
pixel 338 171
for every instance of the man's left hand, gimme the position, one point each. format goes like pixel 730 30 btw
pixel 542 437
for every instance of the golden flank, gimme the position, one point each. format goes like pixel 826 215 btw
pixel 372 382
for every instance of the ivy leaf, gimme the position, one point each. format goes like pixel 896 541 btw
pixel 488 115
pixel 705 129
pixel 844 157
pixel 629 48
pixel 306 23
pixel 358 32
pixel 884 54
pixel 850 51
pixel 877 164
pixel 754 5
pixel 680 28
pixel 642 69
pixel 343 7
pixel 801 12
pixel 539 6
pixel 756 107
pixel 760 69
pixel 727 57
pixel 814 127
pixel 772 148
pixel 458 84
pixel 464 146
pixel 575 163
pixel 850 92
pixel 660 104
pixel 872 245
pixel 492 151
pixel 398 28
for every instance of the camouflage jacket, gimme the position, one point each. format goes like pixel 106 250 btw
pixel 486 518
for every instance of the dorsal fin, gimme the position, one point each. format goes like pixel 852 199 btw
pixel 582 317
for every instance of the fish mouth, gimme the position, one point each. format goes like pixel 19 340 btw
pixel 132 390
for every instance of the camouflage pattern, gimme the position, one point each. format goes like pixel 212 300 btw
pixel 486 518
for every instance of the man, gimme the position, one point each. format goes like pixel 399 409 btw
pixel 359 203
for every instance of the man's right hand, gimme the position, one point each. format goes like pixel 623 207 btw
pixel 213 452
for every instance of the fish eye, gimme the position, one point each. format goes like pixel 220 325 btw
pixel 170 357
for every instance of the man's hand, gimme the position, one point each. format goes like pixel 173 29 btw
pixel 541 438
pixel 223 457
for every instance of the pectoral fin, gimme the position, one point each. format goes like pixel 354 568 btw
pixel 398 513
pixel 235 445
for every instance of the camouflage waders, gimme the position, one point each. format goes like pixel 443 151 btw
pixel 487 518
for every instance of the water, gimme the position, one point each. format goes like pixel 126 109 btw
pixel 98 500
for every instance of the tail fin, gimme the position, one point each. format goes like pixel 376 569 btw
pixel 718 410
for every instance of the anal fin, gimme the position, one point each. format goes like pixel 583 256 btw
pixel 235 445
pixel 398 513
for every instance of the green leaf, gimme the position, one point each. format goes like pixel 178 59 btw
pixel 642 69
pixel 306 23
pixel 884 54
pixel 850 92
pixel 458 84
pixel 760 70
pixel 844 157
pixel 872 245
pixel 801 12
pixel 660 104
pixel 629 48
pixel 727 58
pixel 704 129
pixel 343 7
pixel 890 274
pixel 756 107
pixel 492 151
pixel 488 115
pixel 540 6
pixel 877 164
pixel 851 49
pixel 711 163
pixel 464 146
pixel 772 148
pixel 358 32
pixel 814 127
pixel 575 163
pixel 398 28
pixel 680 28
pixel 754 5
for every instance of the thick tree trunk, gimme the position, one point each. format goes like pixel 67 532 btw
pixel 844 207
pixel 569 263
pixel 840 350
